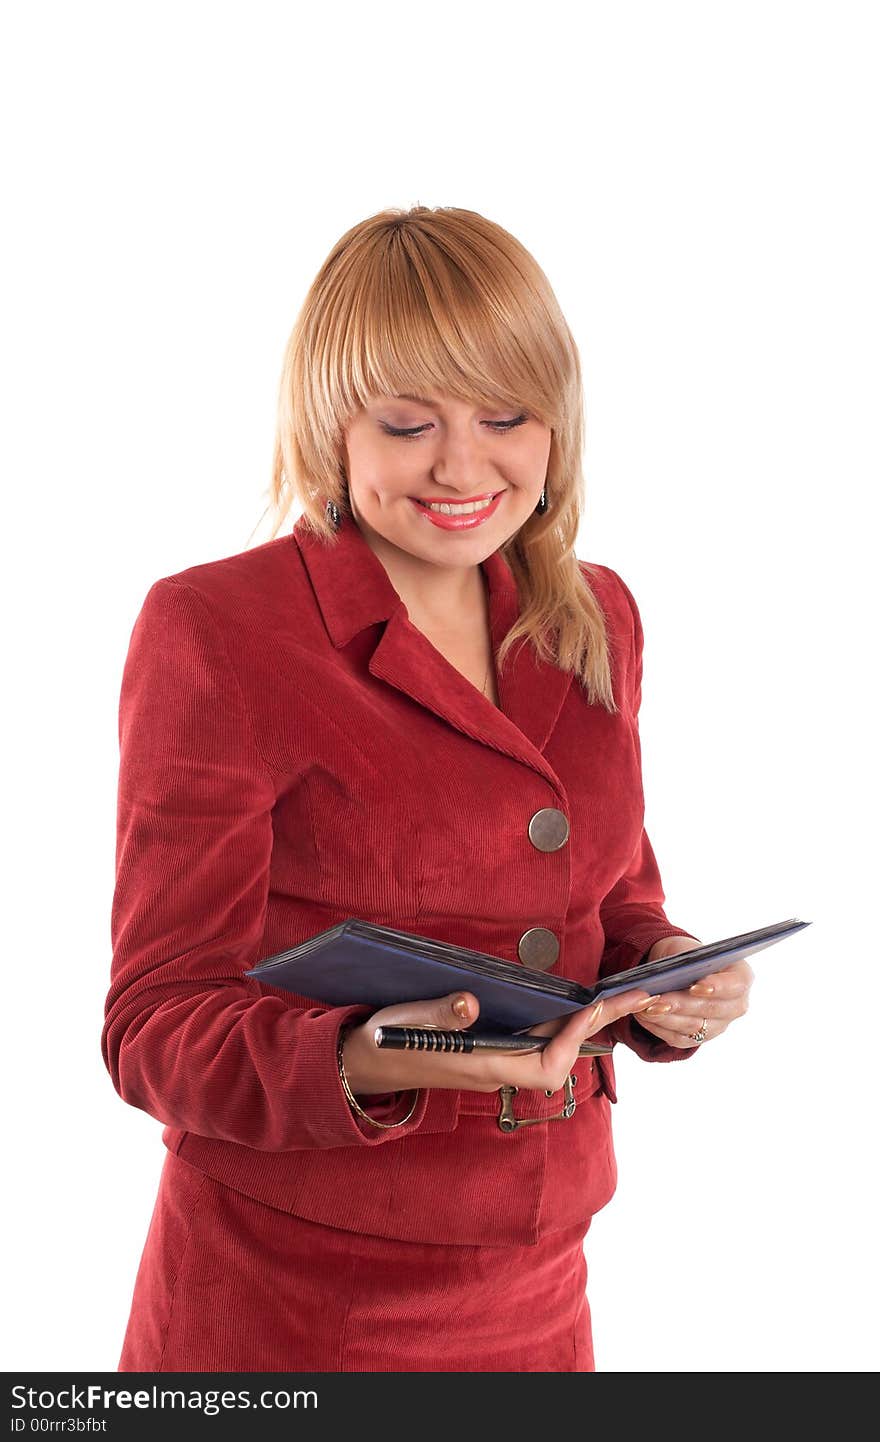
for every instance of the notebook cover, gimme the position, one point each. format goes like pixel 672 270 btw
pixel 360 961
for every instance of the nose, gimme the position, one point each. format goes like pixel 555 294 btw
pixel 461 461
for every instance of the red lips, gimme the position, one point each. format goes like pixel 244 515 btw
pixel 466 522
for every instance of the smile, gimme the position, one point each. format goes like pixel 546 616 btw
pixel 460 515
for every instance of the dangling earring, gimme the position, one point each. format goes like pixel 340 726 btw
pixel 542 503
pixel 333 515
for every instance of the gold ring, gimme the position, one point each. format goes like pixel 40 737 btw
pixel 700 1035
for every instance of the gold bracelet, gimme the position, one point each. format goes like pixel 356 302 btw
pixel 385 1126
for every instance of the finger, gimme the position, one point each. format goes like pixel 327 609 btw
pixel 613 1008
pixel 589 1020
pixel 680 1040
pixel 731 981
pixel 723 990
pixel 726 991
pixel 547 1028
pixel 560 1055
pixel 684 1028
pixel 592 1019
pixel 453 1012
pixel 681 1011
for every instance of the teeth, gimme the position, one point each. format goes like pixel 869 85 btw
pixel 445 509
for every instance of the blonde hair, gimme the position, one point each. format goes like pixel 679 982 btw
pixel 443 299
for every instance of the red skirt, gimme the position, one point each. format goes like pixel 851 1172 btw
pixel 228 1284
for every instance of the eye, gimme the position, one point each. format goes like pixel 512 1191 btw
pixel 413 432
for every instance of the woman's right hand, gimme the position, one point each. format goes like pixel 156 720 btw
pixel 371 1070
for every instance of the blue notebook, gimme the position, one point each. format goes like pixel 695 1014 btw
pixel 359 961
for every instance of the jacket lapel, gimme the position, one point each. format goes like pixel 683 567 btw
pixel 353 590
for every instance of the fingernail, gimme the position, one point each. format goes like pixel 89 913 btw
pixel 460 1007
pixel 698 989
pixel 594 1014
pixel 656 1008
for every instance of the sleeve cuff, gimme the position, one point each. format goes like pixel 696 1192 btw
pixel 634 945
pixel 645 1045
pixel 329 1120
pixel 629 952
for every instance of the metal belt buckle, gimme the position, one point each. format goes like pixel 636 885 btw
pixel 509 1123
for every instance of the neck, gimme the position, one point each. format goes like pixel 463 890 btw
pixel 440 594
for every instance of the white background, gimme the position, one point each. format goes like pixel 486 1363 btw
pixel 699 183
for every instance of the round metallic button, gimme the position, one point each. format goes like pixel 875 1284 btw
pixel 538 947
pixel 548 829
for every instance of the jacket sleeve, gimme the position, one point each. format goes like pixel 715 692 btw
pixel 186 1036
pixel 632 913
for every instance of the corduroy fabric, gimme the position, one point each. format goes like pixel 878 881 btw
pixel 226 1284
pixel 293 751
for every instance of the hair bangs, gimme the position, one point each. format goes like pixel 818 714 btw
pixel 418 322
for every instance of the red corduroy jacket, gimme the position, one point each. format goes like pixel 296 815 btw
pixel 293 752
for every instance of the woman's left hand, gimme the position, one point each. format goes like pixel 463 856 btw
pixel 700 1014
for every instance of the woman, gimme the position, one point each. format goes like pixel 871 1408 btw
pixel 420 708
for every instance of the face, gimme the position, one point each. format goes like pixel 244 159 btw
pixel 486 467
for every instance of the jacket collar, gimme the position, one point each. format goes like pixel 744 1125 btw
pixel 353 590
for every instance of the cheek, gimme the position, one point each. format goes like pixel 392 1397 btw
pixel 527 461
pixel 379 478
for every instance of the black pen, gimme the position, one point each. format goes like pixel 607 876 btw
pixel 431 1038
